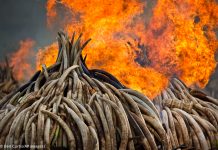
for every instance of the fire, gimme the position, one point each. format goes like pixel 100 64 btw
pixel 47 56
pixel 186 42
pixel 142 52
pixel 21 60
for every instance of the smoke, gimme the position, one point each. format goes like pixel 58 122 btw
pixel 20 20
pixel 212 86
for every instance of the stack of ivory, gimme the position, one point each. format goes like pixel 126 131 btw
pixel 70 106
pixel 7 81
pixel 189 117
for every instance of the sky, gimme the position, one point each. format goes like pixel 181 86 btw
pixel 23 20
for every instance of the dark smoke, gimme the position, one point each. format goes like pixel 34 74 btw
pixel 22 19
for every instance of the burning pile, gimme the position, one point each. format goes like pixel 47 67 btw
pixel 145 42
pixel 68 105
pixel 7 81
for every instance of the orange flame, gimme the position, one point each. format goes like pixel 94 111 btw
pixel 47 56
pixel 186 43
pixel 143 53
pixel 21 60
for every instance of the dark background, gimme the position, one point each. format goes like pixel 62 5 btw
pixel 20 20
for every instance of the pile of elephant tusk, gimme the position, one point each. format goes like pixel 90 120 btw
pixel 7 80
pixel 189 117
pixel 67 105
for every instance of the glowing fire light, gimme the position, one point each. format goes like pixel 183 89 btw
pixel 179 39
pixel 51 54
pixel 21 60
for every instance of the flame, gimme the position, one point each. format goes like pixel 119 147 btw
pixel 183 41
pixel 21 60
pixel 46 55
pixel 143 52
